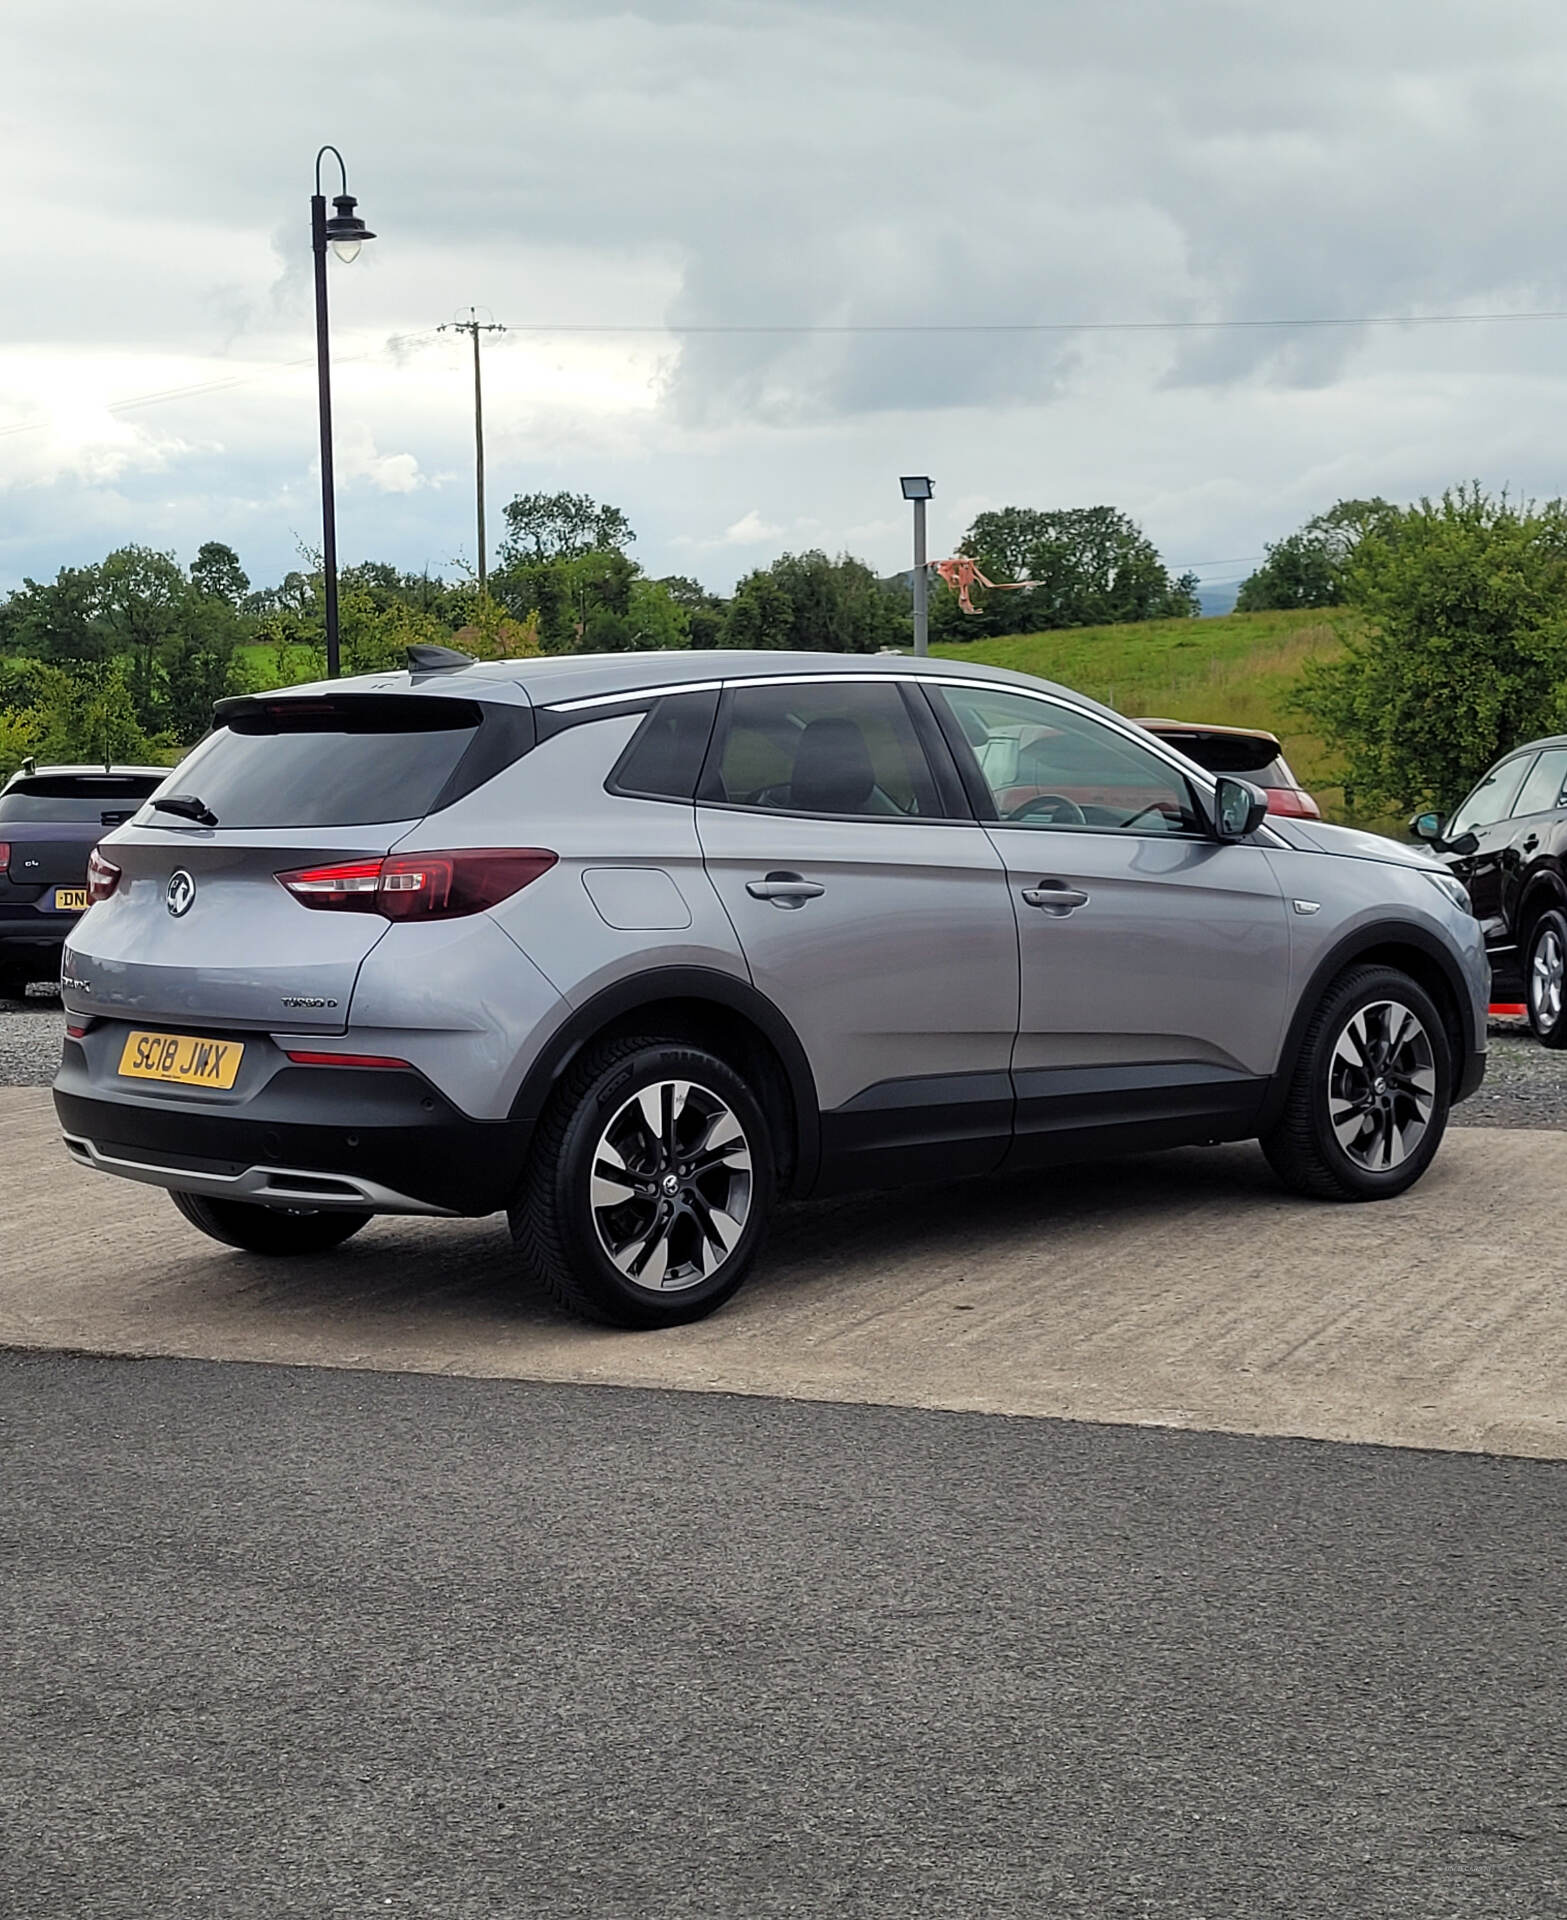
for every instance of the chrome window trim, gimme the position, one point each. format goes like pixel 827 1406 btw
pixel 1134 735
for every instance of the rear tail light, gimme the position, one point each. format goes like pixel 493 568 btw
pixel 103 876
pixel 5 854
pixel 421 886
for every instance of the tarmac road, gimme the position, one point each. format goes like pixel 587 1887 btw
pixel 314 1643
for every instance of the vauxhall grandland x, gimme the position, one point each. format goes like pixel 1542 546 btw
pixel 633 946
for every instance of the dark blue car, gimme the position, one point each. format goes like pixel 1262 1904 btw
pixel 51 818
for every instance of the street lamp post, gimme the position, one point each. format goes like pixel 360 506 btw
pixel 917 487
pixel 345 233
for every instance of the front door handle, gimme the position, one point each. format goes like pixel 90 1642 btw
pixel 1056 898
pixel 784 889
pixel 1531 843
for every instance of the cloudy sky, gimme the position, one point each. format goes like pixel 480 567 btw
pixel 638 192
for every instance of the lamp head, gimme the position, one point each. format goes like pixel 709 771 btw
pixel 346 233
pixel 916 486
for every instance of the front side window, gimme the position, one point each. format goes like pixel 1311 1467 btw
pixel 822 748
pixel 1047 766
pixel 1542 791
pixel 1493 799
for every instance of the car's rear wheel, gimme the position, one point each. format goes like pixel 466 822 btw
pixel 647 1192
pixel 270 1230
pixel 1368 1101
pixel 1545 979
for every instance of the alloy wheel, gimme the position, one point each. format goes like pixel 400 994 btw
pixel 671 1185
pixel 1546 977
pixel 1381 1085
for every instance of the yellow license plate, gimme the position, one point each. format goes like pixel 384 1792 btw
pixel 70 899
pixel 184 1059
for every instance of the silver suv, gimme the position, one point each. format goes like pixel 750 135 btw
pixel 633 946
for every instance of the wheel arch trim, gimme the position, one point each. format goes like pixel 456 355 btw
pixel 702 985
pixel 1373 939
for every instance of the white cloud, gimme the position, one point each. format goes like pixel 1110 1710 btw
pixel 765 163
pixel 750 530
pixel 358 458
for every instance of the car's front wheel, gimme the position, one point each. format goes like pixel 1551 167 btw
pixel 1545 974
pixel 270 1230
pixel 649 1185
pixel 1368 1101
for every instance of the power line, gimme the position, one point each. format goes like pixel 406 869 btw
pixel 1044 326
pixel 160 395
pixel 849 330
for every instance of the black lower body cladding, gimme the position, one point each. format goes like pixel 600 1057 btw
pixel 376 1124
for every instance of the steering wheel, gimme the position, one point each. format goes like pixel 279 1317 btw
pixel 1154 806
pixel 1060 809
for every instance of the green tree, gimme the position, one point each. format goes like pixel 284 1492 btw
pixel 216 574
pixel 560 526
pixel 811 602
pixel 1464 649
pixel 1311 568
pixel 704 611
pixel 1084 567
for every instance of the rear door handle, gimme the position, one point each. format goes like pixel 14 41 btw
pixel 1056 898
pixel 784 889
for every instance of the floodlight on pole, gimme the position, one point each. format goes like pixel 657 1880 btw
pixel 345 233
pixel 917 487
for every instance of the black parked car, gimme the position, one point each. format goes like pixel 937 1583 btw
pixel 51 818
pixel 1508 844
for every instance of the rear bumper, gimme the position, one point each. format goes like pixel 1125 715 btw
pixel 27 934
pixel 321 1137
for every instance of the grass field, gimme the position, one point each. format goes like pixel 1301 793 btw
pixel 1236 671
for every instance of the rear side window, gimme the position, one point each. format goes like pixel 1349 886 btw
pixel 665 756
pixel 349 760
pixel 68 799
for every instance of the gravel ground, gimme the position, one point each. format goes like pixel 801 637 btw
pixel 30 1041
pixel 1524 1085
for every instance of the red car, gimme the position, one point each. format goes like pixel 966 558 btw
pixel 1247 751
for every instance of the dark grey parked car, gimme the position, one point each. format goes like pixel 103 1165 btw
pixel 51 818
pixel 631 946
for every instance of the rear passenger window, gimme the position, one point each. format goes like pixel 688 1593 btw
pixel 666 752
pixel 822 748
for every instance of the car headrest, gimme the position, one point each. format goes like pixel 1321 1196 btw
pixel 832 768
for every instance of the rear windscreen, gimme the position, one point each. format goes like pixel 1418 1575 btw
pixel 348 761
pixel 72 799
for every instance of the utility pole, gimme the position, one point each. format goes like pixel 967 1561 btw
pixel 473 326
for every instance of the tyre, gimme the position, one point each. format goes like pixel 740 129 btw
pixel 647 1192
pixel 1368 1102
pixel 1545 979
pixel 272 1230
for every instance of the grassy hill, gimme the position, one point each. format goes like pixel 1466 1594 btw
pixel 1237 671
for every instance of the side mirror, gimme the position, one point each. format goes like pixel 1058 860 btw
pixel 1427 826
pixel 1239 808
